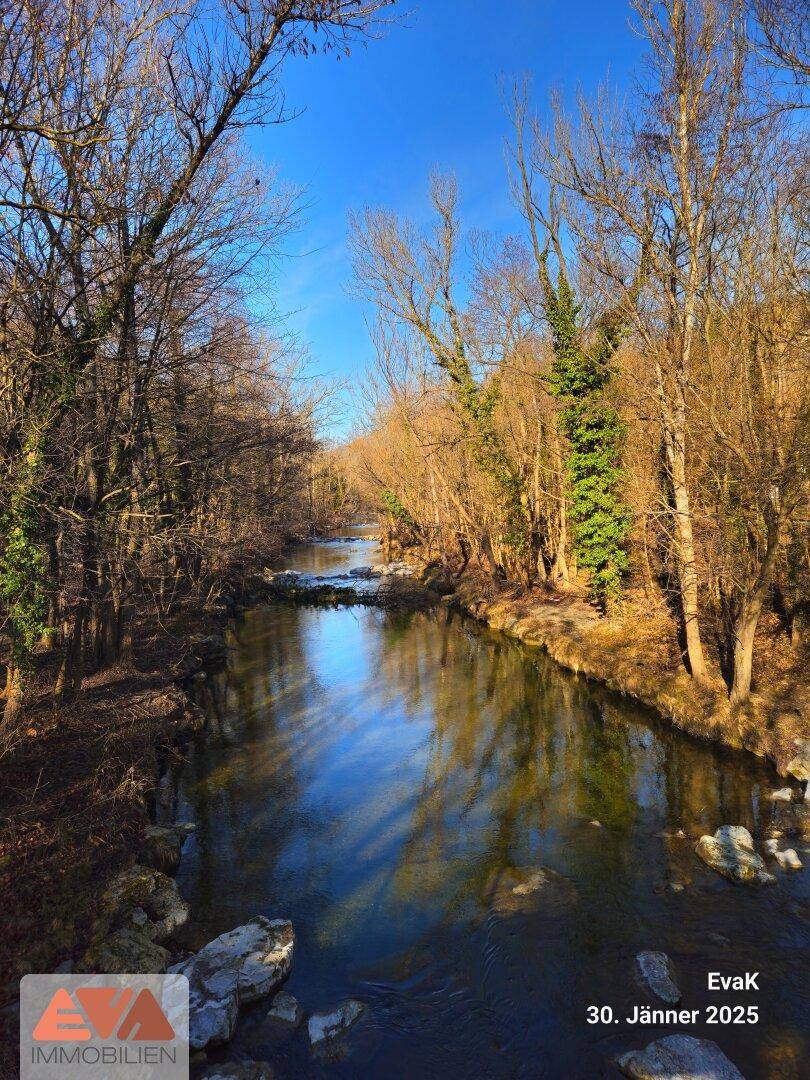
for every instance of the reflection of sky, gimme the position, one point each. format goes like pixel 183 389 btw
pixel 388 767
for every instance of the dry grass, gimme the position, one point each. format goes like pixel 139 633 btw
pixel 637 654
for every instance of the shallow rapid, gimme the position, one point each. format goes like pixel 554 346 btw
pixel 386 779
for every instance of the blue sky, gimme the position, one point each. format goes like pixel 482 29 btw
pixel 429 94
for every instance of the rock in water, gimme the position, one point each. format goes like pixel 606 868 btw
pixel 239 966
pixel 326 1026
pixel 285 1010
pixel 788 859
pixel 242 1070
pixel 513 890
pixel 731 853
pixel 679 1057
pixel 784 794
pixel 655 972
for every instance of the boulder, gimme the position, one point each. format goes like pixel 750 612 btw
pixel 140 908
pixel 655 972
pixel 323 1027
pixel 731 853
pixel 125 952
pixel 240 1070
pixel 679 1057
pixel 163 845
pixel 286 1010
pixel 238 967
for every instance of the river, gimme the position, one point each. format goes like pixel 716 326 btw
pixel 383 779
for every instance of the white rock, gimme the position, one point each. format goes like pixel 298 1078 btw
pixel 735 834
pixel 654 970
pixel 239 966
pixel 788 859
pixel 679 1057
pixel 325 1026
pixel 731 853
pixel 771 845
pixel 784 794
pixel 799 766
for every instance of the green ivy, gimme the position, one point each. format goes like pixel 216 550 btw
pixel 23 573
pixel 396 508
pixel 579 379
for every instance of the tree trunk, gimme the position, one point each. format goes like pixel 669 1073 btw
pixel 13 697
pixel 746 625
pixel 685 544
pixel 744 633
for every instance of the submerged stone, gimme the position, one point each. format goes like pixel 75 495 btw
pixel 655 971
pixel 326 1026
pixel 241 1070
pixel 679 1057
pixel 285 1009
pixel 517 890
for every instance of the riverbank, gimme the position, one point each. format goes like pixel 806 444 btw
pixel 636 656
pixel 79 789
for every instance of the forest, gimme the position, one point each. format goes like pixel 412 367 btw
pixel 156 436
pixel 615 402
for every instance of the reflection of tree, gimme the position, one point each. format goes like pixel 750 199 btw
pixel 440 756
pixel 235 788
pixel 604 767
pixel 488 765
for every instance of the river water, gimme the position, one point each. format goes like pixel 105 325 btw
pixel 385 779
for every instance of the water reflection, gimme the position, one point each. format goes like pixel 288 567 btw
pixel 375 775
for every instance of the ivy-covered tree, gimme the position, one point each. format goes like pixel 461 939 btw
pixel 580 378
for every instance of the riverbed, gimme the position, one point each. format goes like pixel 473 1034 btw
pixel 385 778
